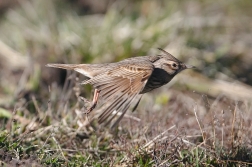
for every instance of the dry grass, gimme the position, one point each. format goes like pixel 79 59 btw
pixel 201 118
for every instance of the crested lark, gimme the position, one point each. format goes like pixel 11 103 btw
pixel 122 82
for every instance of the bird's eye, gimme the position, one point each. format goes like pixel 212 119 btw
pixel 174 65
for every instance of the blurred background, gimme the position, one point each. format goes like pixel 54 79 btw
pixel 214 36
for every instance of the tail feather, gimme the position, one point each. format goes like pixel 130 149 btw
pixel 81 68
pixel 63 66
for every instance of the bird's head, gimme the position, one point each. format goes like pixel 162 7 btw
pixel 171 64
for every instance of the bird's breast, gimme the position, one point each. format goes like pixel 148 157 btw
pixel 158 78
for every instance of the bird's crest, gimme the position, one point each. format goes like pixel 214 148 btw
pixel 169 55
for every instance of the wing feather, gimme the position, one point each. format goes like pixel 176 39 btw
pixel 115 106
pixel 120 86
pixel 122 109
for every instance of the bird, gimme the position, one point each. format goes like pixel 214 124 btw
pixel 122 83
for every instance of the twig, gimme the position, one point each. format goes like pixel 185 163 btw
pixel 36 105
pixel 222 129
pixel 157 137
pixel 59 147
pixel 126 116
pixel 172 155
pixel 202 133
pixel 12 58
pixel 233 122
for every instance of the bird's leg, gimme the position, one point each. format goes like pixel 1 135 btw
pixel 94 102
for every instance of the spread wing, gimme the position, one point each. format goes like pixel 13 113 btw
pixel 120 86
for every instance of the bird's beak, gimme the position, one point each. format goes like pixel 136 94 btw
pixel 189 66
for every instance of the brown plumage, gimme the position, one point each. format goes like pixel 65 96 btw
pixel 122 82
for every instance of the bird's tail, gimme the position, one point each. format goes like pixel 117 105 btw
pixel 63 66
pixel 81 68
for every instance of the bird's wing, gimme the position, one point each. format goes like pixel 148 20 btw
pixel 120 86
